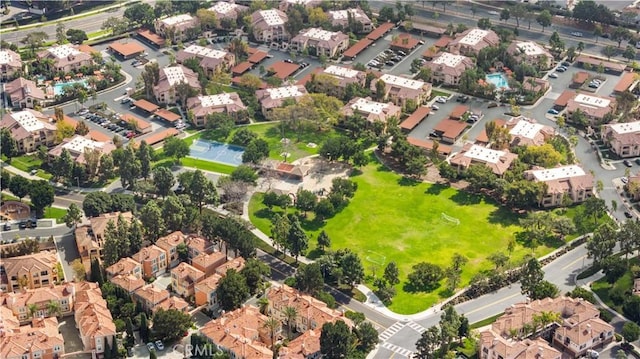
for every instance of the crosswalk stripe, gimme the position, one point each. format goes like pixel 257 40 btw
pixel 391 331
pixel 417 327
pixel 396 349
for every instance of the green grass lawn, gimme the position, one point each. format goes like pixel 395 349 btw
pixel 207 165
pixel 57 213
pixel 26 163
pixel 624 284
pixel 390 216
pixel 435 93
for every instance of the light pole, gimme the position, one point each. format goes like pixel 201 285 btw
pixel 78 179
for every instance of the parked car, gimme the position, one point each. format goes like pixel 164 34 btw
pixel 420 42
pixel 624 180
pixel 390 63
pixel 434 134
pixel 125 100
pixel 638 161
pixel 627 163
pixel 553 75
pixel 628 215
pixel 594 85
pixel 151 347
pixel 441 99
pixel 7 226
pixel 492 105
pixel 435 107
pixel 576 33
pixel 22 225
pixel 566 63
pixel 159 345
pixel 561 69
pixel 289 61
pixel 402 53
pixel 553 111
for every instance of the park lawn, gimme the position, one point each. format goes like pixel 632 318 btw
pixel 394 219
pixel 207 165
pixel 26 163
pixel 602 288
pixel 54 212
pixel 589 224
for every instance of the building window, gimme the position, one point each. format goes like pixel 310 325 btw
pixel 43 273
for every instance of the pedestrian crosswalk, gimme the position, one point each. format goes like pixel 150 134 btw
pixel 384 336
pixel 396 349
pixel 417 327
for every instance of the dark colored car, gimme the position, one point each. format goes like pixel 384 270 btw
pixel 492 105
pixel 22 225
pixel 7 226
pixel 638 161
pixel 434 134
pixel 628 215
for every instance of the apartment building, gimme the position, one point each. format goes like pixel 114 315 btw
pixel 307 345
pixel 173 303
pixel 153 260
pixel 90 238
pixel 93 318
pixel 128 282
pixel 37 270
pixel 169 244
pixel 623 138
pixel 320 42
pixel 183 279
pixel 312 313
pixel 227 10
pixel 209 262
pixel 472 41
pixel 241 333
pixel 446 68
pixel 268 25
pixel 66 58
pixel 202 106
pixel 498 161
pixel 341 18
pixel 334 80
pixel 578 330
pixel 150 296
pixel 594 108
pixel 205 291
pixel 236 264
pixel 399 89
pixel 28 304
pixel 10 64
pixel 212 61
pixel 309 4
pixel 125 266
pixel 571 181
pixel 31 129
pixel 198 245
pixel 531 53
pixel 176 27
pixel 170 77
pixel 492 346
pixel 23 93
pixel 77 145
pixel 371 110
pixel 275 97
pixel 39 340
pixel 527 132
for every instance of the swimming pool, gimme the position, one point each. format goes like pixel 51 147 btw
pixel 57 88
pixel 500 80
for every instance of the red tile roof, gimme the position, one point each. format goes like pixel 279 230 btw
pixel 625 82
pixel 167 115
pixel 450 128
pixel 458 111
pixel 357 48
pixel 443 42
pixel 405 42
pixel 160 136
pixel 580 77
pixel 152 37
pixel 128 49
pixel 416 117
pixel 241 68
pixel 283 69
pixel 428 145
pixel 564 98
pixel 257 57
pixel 146 105
pixel 380 31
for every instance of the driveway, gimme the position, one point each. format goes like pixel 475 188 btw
pixel 71 335
pixel 163 281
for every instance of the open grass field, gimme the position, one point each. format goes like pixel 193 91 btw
pixel 393 219
pixel 26 163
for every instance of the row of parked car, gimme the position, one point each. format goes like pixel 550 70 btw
pixel 387 57
pixel 106 123
pixel 22 225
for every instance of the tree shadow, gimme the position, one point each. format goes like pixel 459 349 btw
pixel 355 172
pixel 315 253
pixel 264 213
pixel 465 198
pixel 504 217
pixel 408 181
pixel 445 293
pixel 435 189
pixel 311 225
pixel 382 168
pixel 409 288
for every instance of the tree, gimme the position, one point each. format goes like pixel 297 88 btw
pixel 42 195
pixel 309 278
pixel 170 325
pixel 609 51
pixel 544 289
pixel 544 19
pixel 35 40
pixel 61 36
pixel 76 36
pixel 597 31
pixel 629 53
pixel 111 251
pixel 73 215
pixel 290 315
pixel 144 328
pixel 485 23
pixel 391 273
pixel 173 213
pixel 245 174
pixel 601 244
pixel 9 146
pixel 595 207
pixel 449 326
pixel 79 271
pixel 152 220
pixel 232 290
pixel 351 266
pixel 505 14
pixel 530 276
pixel 306 201
pixel 163 180
pixel 297 240
pixel 335 340
pixel 630 332
pixel 518 12
pixel 140 13
pixel 144 154
pixel 116 25
pixel 150 77
pixel 200 190
pixel 619 34
pixel 427 345
pixel 135 237
pixel 175 147
pixel 253 273
pixel 425 276
pixel 19 186
pixel 323 240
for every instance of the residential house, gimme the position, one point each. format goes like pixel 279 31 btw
pixel 241 333
pixel 202 106
pixel 399 90
pixel 37 270
pixel 212 61
pixel 593 108
pixel 623 138
pixel 319 42
pixel 205 291
pixel 236 264
pixel 28 304
pixel 176 28
pixel 531 53
pixel 306 345
pixel 78 145
pixel 31 129
pixel 128 282
pixel 527 132
pixel 472 41
pixel 275 97
pixel 370 110
pixel 153 260
pixel 173 303
pixel 567 181
pixel 150 296
pixel 209 262
pixel 23 93
pixel 341 18
pixel 269 25
pixel 10 64
pixel 495 346
pixel 227 11
pixel 40 340
pixel 334 80
pixel 66 58
pixel 170 77
pixel 183 279
pixel 169 244
pixel 125 266
pixel 447 68
pixel 312 313
pixel 90 238
pixel 197 245
pixel 309 4
pixel 93 318
pixel 498 161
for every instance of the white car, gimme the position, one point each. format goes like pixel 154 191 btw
pixel 624 180
pixel 440 99
pixel 553 75
pixel 493 12
pixel 576 34
pixel 435 107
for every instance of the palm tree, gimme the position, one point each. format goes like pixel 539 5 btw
pixel 32 309
pixel 273 325
pixel 53 308
pixel 263 304
pixel 290 314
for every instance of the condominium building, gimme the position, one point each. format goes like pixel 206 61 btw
pixel 150 296
pixel 125 266
pixel 472 41
pixel 202 106
pixel 334 80
pixel 206 291
pixel 10 64
pixel 498 161
pixel 275 97
pixel 31 129
pixel 128 282
pixel 23 93
pixel 371 110
pixel 37 270
pixel 209 262
pixel 153 260
pixel 623 138
pixel 90 238
pixel 320 42
pixel 341 19
pixel 571 181
pixel 268 25
pixel 309 4
pixel 498 347
pixel 198 245
pixel 531 53
pixel 227 10
pixel 176 27
pixel 236 264
pixel 173 303
pixel 593 108
pixel 93 318
pixel 39 340
pixel 28 304
pixel 169 244
pixel 527 132
pixel 399 89
pixel 78 145
pixel 211 60
pixel 183 279
pixel 66 58
pixel 165 90
pixel 447 68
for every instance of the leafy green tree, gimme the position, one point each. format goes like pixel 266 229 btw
pixel 609 51
pixel 428 344
pixel 42 196
pixel 297 240
pixel 173 213
pixel 309 278
pixel 140 13
pixel 144 328
pixel 544 19
pixel 19 186
pixel 76 36
pixel 243 136
pixel 170 325
pixel 630 332
pixel 280 228
pixel 601 244
pixel 629 53
pixel 201 190
pixel 505 14
pixel 530 276
pixel 73 215
pixel 232 291
pixel 254 273
pixel 245 174
pixel 449 326
pixel 111 251
pixel 323 240
pixel 425 276
pixel 163 180
pixel 367 337
pixel 175 147
pixel 306 201
pixel 391 273
pixel 336 340
pixel 595 207
pixel 145 155
pixel 152 220
pixel 544 289
pixel 485 23
pixel 351 266
pixel 9 146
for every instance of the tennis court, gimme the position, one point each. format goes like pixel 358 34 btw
pixel 217 152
